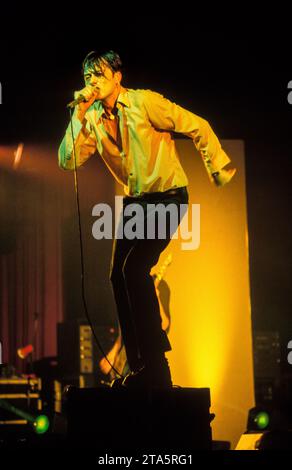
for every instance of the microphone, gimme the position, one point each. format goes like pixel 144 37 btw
pixel 74 103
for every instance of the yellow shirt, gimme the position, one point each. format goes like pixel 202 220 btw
pixel 144 157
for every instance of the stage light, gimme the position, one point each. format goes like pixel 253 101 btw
pixel 17 156
pixel 262 420
pixel 25 351
pixel 41 424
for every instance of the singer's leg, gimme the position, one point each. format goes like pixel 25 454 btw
pixel 121 249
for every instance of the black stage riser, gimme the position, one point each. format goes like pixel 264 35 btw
pixel 131 419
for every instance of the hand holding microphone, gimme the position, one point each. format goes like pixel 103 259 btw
pixel 83 99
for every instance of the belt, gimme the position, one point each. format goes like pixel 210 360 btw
pixel 157 195
pixel 174 191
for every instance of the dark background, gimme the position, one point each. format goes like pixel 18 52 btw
pixel 234 73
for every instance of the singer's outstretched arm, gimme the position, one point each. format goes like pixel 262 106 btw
pixel 167 115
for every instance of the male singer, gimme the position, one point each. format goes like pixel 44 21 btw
pixel 131 130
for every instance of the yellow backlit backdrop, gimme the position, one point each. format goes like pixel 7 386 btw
pixel 210 297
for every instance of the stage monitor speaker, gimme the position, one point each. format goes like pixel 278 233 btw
pixel 249 441
pixel 278 439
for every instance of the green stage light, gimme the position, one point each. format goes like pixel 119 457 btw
pixel 262 420
pixel 41 424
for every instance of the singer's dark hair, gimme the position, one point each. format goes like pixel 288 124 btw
pixel 111 58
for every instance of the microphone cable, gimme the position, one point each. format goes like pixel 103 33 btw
pixel 82 252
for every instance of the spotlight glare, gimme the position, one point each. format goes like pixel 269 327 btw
pixel 41 424
pixel 262 420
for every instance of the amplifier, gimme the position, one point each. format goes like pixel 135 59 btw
pixel 266 346
pixel 267 362
pixel 78 353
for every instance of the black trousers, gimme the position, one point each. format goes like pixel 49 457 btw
pixel 132 260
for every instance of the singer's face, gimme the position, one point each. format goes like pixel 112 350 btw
pixel 103 79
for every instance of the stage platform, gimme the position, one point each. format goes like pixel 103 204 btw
pixel 178 418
